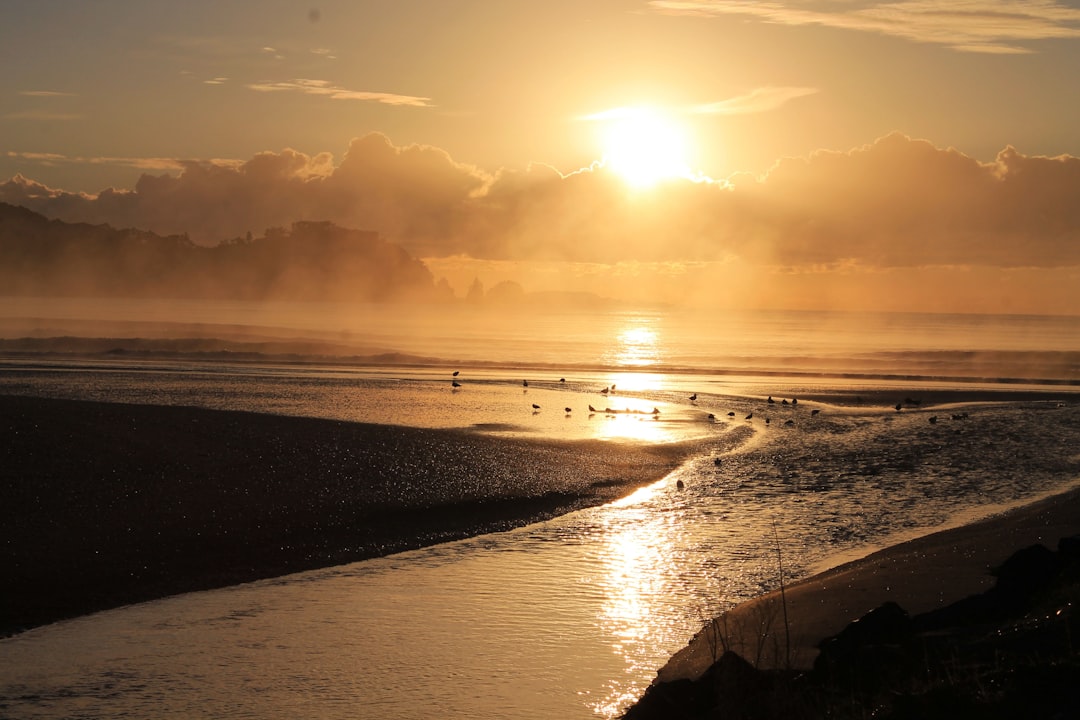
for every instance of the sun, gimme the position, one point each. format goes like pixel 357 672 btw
pixel 642 145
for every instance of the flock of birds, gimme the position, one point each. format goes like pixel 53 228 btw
pixel 784 402
pixel 655 412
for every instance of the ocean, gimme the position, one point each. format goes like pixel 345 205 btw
pixel 569 618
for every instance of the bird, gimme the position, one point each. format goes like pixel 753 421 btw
pixel 693 397
pixel 535 406
pixel 750 416
pixel 716 461
pixel 731 414
pixel 567 410
pixel 605 391
pixel 770 400
pixel 794 401
pixel 933 419
pixel 455 383
pixel 898 406
pixel 562 379
pixel 524 383
pixel 592 409
pixel 456 373
pixel 680 484
pixel 768 420
pixel 656 411
pixel 711 416
pixel 814 412
pixel 784 401
pixel 612 386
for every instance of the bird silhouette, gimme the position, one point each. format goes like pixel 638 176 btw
pixel 524 383
pixel 562 379
pixel 605 391
pixel 768 420
pixel 455 383
pixel 567 410
pixel 731 414
pixel 456 373
pixel 770 400
pixel 535 406
pixel 693 397
pixel 783 402
pixel 750 416
pixel 711 416
pixel 592 409
pixel 814 412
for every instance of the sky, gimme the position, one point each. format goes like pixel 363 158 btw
pixel 911 155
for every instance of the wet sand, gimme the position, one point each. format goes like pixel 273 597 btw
pixel 104 504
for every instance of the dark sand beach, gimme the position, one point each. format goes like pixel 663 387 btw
pixel 103 504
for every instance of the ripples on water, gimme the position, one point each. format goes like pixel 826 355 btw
pixel 569 618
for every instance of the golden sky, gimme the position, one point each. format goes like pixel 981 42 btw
pixel 904 155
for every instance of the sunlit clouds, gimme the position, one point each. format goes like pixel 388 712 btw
pixel 327 89
pixel 986 26
pixel 898 202
pixel 757 100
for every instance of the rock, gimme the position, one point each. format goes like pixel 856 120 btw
pixel 869 651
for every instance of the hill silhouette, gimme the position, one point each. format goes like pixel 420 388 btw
pixel 309 261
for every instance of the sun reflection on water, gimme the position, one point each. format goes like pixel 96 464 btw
pixel 636 345
pixel 637 569
pixel 632 419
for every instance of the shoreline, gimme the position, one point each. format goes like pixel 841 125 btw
pixel 923 574
pixel 108 504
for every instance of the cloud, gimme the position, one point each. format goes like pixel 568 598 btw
pixel 759 100
pixel 46 93
pixel 415 192
pixel 896 203
pixel 987 26
pixel 143 163
pixel 324 88
pixel 40 115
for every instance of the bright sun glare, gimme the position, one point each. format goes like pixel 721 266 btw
pixel 642 145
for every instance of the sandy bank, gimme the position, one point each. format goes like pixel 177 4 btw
pixel 104 504
pixel 920 575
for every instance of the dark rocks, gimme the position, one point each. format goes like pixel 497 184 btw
pixel 870 651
